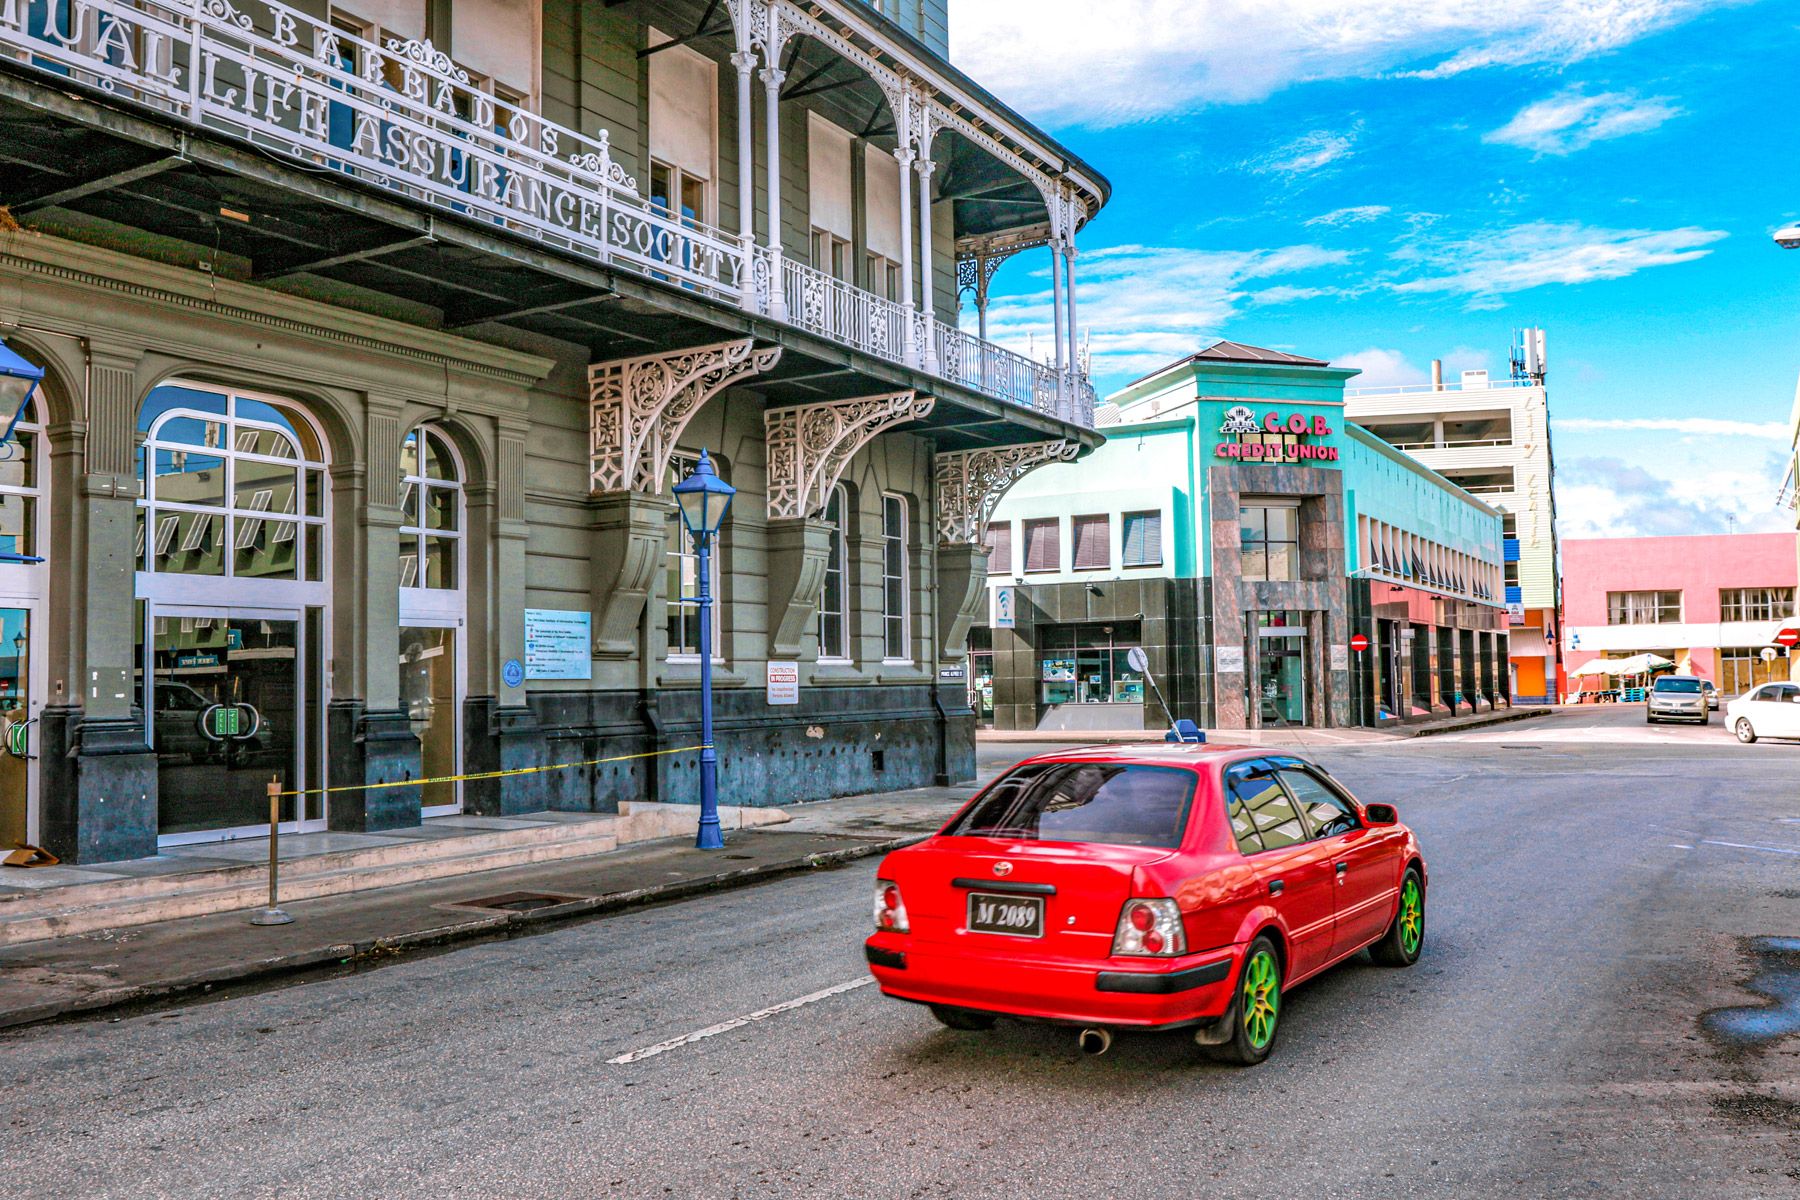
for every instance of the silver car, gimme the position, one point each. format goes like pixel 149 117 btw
pixel 1676 698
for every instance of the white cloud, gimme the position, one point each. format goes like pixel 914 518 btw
pixel 1382 368
pixel 1609 497
pixel 1306 153
pixel 1067 60
pixel 1692 426
pixel 1354 215
pixel 1149 305
pixel 1495 262
pixel 1573 120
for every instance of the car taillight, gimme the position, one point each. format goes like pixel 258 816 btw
pixel 890 909
pixel 1150 928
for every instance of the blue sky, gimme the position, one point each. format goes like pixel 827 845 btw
pixel 1384 182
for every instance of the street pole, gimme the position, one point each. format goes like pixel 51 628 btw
pixel 710 837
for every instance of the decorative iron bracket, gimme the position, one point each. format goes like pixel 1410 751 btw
pixel 809 445
pixel 639 406
pixel 971 482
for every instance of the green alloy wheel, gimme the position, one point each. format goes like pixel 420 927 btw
pixel 1400 945
pixel 1256 1007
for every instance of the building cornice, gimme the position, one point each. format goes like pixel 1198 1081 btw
pixel 45 256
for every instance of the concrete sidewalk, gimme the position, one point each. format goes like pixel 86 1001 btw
pixel 109 967
pixel 1291 738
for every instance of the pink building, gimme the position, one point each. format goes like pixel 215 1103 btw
pixel 1710 604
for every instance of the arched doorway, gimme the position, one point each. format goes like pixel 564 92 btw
pixel 231 587
pixel 23 580
pixel 433 607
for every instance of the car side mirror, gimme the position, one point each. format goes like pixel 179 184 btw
pixel 1381 814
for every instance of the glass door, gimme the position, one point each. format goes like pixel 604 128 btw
pixel 20 704
pixel 224 706
pixel 430 688
pixel 1281 675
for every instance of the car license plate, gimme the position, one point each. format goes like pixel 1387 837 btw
pixel 1020 916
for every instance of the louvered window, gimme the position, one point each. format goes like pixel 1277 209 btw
pixel 999 543
pixel 1142 540
pixel 1093 549
pixel 1042 553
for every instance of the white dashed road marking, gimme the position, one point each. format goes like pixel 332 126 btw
pixel 700 1035
pixel 1764 849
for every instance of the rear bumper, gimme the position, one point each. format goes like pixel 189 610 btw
pixel 1171 992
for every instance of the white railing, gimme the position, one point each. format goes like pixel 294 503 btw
pixel 404 117
pixel 1409 389
pixel 399 115
pixel 822 304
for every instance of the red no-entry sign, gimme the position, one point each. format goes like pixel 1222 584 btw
pixel 1359 642
pixel 1788 637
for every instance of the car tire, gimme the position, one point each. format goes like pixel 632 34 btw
pixel 1649 720
pixel 1746 733
pixel 965 1020
pixel 1404 941
pixel 1255 1007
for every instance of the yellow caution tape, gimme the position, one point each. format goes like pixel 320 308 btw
pixel 591 762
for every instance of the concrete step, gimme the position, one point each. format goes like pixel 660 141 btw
pixel 111 904
pixel 141 900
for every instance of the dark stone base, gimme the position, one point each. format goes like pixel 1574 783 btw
pixel 97 785
pixel 370 747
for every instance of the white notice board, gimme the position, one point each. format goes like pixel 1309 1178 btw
pixel 557 644
pixel 784 683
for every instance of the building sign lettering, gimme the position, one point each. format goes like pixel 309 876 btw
pixel 1241 420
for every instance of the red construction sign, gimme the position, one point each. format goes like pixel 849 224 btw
pixel 1788 637
pixel 1359 642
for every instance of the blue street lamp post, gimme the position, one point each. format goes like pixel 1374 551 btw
pixel 704 499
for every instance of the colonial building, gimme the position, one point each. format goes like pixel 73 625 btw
pixel 1491 436
pixel 1278 565
pixel 375 336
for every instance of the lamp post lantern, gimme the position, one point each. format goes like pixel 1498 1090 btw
pixel 704 499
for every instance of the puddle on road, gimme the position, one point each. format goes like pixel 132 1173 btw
pixel 1777 979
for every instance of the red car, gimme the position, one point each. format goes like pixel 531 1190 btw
pixel 1146 887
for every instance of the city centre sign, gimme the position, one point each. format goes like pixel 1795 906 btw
pixel 1285 432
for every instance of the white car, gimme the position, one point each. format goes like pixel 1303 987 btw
pixel 1772 710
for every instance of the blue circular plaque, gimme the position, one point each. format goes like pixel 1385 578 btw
pixel 512 672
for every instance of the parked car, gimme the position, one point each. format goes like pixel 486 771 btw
pixel 1148 888
pixel 1676 698
pixel 1772 710
pixel 1712 694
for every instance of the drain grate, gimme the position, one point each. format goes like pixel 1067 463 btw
pixel 518 901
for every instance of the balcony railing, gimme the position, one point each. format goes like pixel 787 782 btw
pixel 403 116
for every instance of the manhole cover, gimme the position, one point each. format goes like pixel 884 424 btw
pixel 519 901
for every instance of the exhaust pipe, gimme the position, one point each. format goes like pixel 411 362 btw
pixel 1095 1042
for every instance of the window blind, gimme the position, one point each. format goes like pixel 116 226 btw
pixel 1093 543
pixel 1042 553
pixel 1142 539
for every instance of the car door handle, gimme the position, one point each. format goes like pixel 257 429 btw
pixel 1276 887
pixel 1342 867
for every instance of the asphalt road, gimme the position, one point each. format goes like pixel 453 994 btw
pixel 1577 1027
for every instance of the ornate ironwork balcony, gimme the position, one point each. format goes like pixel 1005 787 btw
pixel 403 116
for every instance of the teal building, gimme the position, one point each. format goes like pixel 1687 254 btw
pixel 1279 566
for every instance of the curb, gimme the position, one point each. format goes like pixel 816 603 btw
pixel 379 952
pixel 1506 718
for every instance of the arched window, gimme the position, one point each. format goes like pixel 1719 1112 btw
pixel 21 484
pixel 229 485
pixel 834 597
pixel 431 524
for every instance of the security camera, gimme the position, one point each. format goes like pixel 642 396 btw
pixel 1788 237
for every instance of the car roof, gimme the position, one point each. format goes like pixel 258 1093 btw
pixel 1695 678
pixel 1156 754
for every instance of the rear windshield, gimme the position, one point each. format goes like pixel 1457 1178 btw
pixel 1677 685
pixel 1120 803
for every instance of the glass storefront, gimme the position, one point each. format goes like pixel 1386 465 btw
pixel 1281 674
pixel 1085 664
pixel 223 715
pixel 981 673
pixel 15 726
pixel 428 694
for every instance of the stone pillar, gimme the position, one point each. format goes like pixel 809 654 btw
pixel 97 787
pixel 521 741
